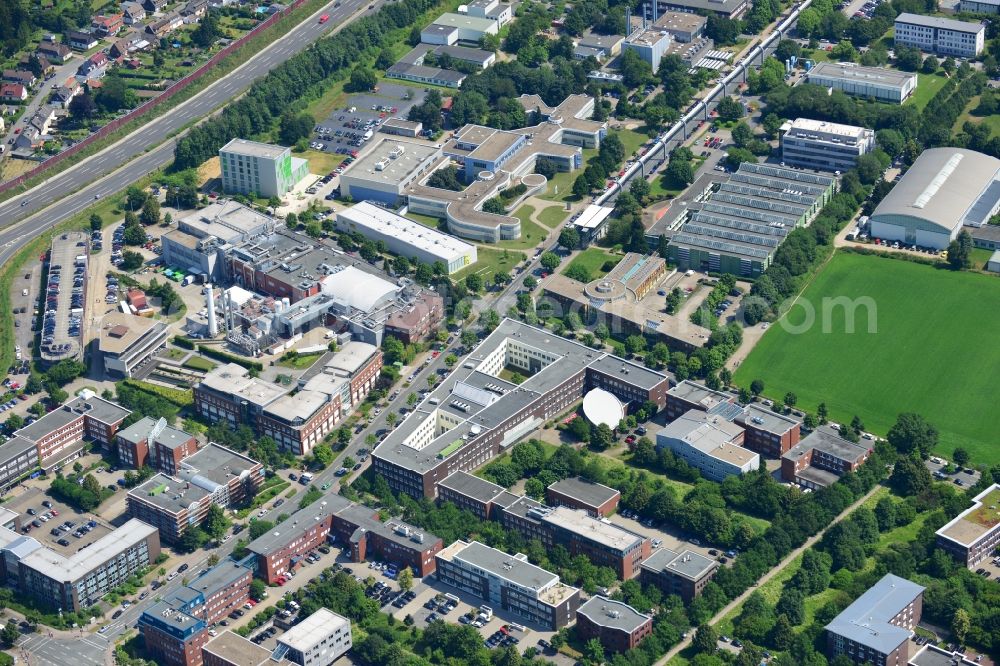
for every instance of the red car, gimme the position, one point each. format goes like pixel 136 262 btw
pixel 324 18
pixel 630 439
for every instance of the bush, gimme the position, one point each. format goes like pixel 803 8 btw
pixel 220 355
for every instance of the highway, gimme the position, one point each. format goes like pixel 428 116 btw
pixel 103 174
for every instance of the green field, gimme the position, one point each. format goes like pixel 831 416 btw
pixel 934 351
pixel 992 121
pixel 927 86
pixel 531 233
pixel 592 259
pixel 489 261
pixel 553 216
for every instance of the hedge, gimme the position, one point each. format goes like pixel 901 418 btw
pixel 208 350
pixel 181 398
pixel 181 341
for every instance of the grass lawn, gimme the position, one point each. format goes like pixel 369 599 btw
pixel 489 261
pixel 553 216
pixel 927 87
pixel 428 221
pixel 531 233
pixel 591 260
pixel 980 256
pixel 660 188
pixel 199 363
pixel 300 362
pixel 175 354
pixel 631 140
pixel 911 363
pixel 320 162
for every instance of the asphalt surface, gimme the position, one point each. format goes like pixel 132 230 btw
pixel 40 203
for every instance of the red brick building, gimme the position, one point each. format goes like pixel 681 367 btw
pixel 419 320
pixel 876 628
pixel 766 432
pixel 821 458
pixel 688 395
pixel 577 493
pixel 154 443
pixel 605 544
pixel 685 574
pixel 59 435
pixel 618 626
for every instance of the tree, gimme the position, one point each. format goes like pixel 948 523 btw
pixel 405 579
pixel 679 172
pixel 569 238
pixel 601 437
pixel 131 260
pixel 960 456
pixel 10 634
pixel 581 186
pixel 207 31
pixel 912 434
pixel 729 109
pixel 550 261
pixel 323 455
pixel 362 80
pixel 216 524
pixel 259 528
pixel 737 156
pixel 742 134
pixel 908 58
pixel 961 623
pixel 757 387
pixel 706 639
pixel 930 65
pixel 150 212
pixel 193 539
pixel 82 107
pixel 474 282
pixel 790 400
pixel 257 589
pixel 909 477
pixel 960 251
pixel 821 413
pixel 294 127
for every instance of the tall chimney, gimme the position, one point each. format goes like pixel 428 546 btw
pixel 213 327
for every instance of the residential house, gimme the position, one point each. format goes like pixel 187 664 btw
pixel 13 92
pixel 64 94
pixel 57 53
pixel 108 26
pixel 47 67
pixel 22 76
pixel 165 25
pixel 80 41
pixel 154 5
pixel 195 9
pixel 29 139
pixel 43 120
pixel 133 13
pixel 119 49
pixel 94 67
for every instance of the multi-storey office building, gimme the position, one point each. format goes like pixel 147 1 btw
pixel 685 574
pixel 471 493
pixel 577 493
pixel 604 543
pixel 231 649
pixel 940 36
pixel 319 640
pixel 249 167
pixel 879 83
pixel 154 443
pixel 18 458
pixel 709 442
pixel 876 628
pixel 508 582
pixel 973 535
pixel 767 432
pixel 128 341
pixel 230 394
pixel 688 395
pixel 817 144
pixel 59 435
pixel 618 626
pixel 474 415
pixel 213 475
pixel 819 459
pixel 80 580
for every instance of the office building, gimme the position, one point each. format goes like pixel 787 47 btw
pixel 820 458
pixel 509 583
pixel 18 459
pixel 59 435
pixel 602 542
pixel 618 626
pixel 474 415
pixel 76 582
pixel 709 442
pixel 228 393
pixel 154 443
pixel 682 26
pixel 501 12
pixel 492 160
pixel 578 493
pixel 942 191
pixel 876 628
pixel 625 300
pixel 738 227
pixel 128 341
pixel 176 628
pixel 650 45
pixel 732 9
pixel 384 173
pixel 452 28
pixel 260 169
pixel 405 237
pixel 214 475
pixel 940 36
pixel 817 144
pixel 973 535
pixel 978 6
pixel 932 655
pixel 318 640
pixel 231 649
pixel 878 83
pixel 767 432
pixel 600 46
pixel 685 573
pixel 471 493
pixel 401 127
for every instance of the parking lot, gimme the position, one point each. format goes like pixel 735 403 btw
pixel 965 478
pixel 346 127
pixel 54 524
pixel 663 539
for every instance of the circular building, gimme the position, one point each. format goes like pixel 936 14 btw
pixel 600 406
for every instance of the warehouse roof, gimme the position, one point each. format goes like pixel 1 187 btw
pixel 380 220
pixel 388 164
pixel 941 186
pixel 878 76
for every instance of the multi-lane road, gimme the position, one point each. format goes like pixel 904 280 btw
pixel 104 174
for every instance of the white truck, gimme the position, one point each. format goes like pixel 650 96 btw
pixel 305 478
pixel 485 613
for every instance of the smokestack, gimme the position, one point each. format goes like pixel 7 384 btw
pixel 213 327
pixel 655 12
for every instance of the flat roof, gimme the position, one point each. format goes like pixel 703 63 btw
pixel 465 21
pixel 680 21
pixel 881 76
pixel 167 493
pixel 402 123
pixel 313 630
pixel 977 521
pixel 584 491
pixel 253 149
pixel 15 447
pixel 290 530
pixel 716 6
pixel 867 620
pixel 413 157
pixel 388 223
pixel 119 331
pixel 686 564
pixel 939 22
pixel 297 408
pixel 826 439
pixel 229 221
pixel 222 575
pixel 514 568
pixel 765 419
pixel 471 486
pixel 234 380
pixel 699 394
pixel 94 407
pixel 614 614
pixel 581 523
pixel 807 125
pixel 69 569
pixel 157 429
pixel 237 650
pixel 402 70
pixel 932 655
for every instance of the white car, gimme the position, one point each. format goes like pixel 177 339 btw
pixel 260 514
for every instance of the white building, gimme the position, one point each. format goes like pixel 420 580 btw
pixel 451 28
pixel 816 144
pixel 880 83
pixel 318 640
pixel 979 6
pixel 651 45
pixel 249 167
pixel 127 341
pixel 406 237
pixel 941 36
pixel 491 9
pixel 709 443
pixel 384 173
